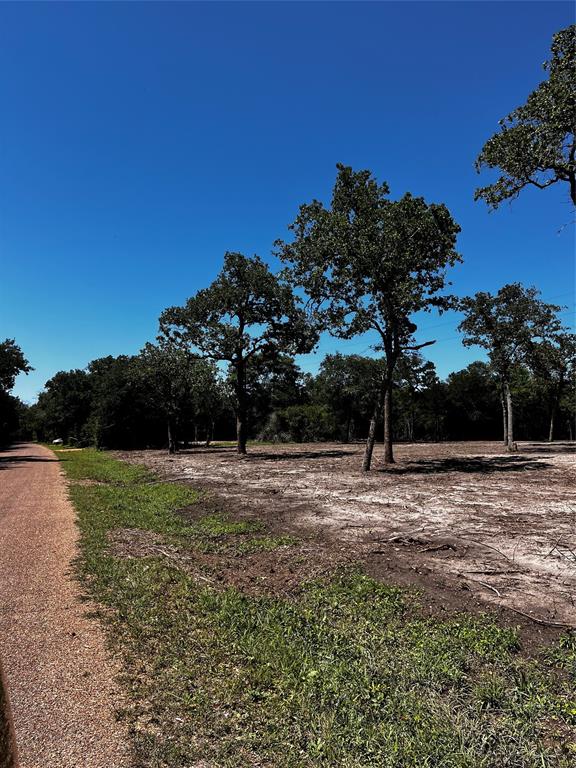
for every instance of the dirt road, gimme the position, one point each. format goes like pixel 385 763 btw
pixel 60 678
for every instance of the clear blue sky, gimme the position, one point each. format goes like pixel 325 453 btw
pixel 141 141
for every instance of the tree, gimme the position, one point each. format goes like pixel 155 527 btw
pixel 553 361
pixel 348 385
pixel 176 381
pixel 65 404
pixel 120 412
pixel 368 264
pixel 507 325
pixel 271 385
pixel 473 403
pixel 413 376
pixel 536 143
pixel 12 362
pixel 247 313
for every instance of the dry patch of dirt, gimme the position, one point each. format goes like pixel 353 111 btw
pixel 467 522
pixel 277 571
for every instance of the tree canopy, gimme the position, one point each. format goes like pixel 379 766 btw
pixel 369 263
pixel 12 362
pixel 508 324
pixel 536 143
pixel 248 313
pixel 178 384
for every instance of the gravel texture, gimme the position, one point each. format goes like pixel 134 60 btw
pixel 60 677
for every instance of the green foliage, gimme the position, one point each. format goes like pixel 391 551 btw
pixel 368 263
pixel 12 362
pixel 536 143
pixel 124 401
pixel 247 311
pixel 308 423
pixel 247 315
pixel 64 406
pixel 119 411
pixel 273 384
pixel 347 675
pixel 507 324
pixel 348 386
pixel 12 410
pixel 473 403
pixel 179 384
pixel 553 362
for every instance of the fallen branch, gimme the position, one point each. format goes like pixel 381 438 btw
pixel 438 547
pixel 489 586
pixel 482 544
pixel 544 622
pixel 506 570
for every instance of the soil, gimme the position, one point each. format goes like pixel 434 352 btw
pixel 473 527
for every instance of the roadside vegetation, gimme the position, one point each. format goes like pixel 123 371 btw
pixel 344 671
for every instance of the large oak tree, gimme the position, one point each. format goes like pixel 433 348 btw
pixel 247 314
pixel 369 264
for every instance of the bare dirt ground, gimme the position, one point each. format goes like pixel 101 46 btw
pixel 60 678
pixel 471 525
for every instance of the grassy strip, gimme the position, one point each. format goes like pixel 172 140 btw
pixel 348 675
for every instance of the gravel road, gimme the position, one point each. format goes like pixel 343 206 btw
pixel 60 677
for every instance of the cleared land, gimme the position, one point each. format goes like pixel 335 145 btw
pixel 466 521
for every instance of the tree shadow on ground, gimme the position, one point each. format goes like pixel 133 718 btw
pixel 7 462
pixel 196 449
pixel 287 455
pixel 474 465
pixel 297 455
pixel 551 448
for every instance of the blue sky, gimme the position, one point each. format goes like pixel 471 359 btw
pixel 138 142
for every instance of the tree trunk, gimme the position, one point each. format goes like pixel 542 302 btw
pixel 510 421
pixel 388 450
pixel 241 411
pixel 570 432
pixel 171 442
pixel 241 432
pixel 552 418
pixel 504 416
pixel 368 451
pixel 347 434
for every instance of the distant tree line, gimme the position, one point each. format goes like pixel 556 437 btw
pixel 123 402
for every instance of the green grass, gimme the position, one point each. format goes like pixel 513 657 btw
pixel 348 675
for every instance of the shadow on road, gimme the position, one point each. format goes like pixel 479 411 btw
pixel 7 462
